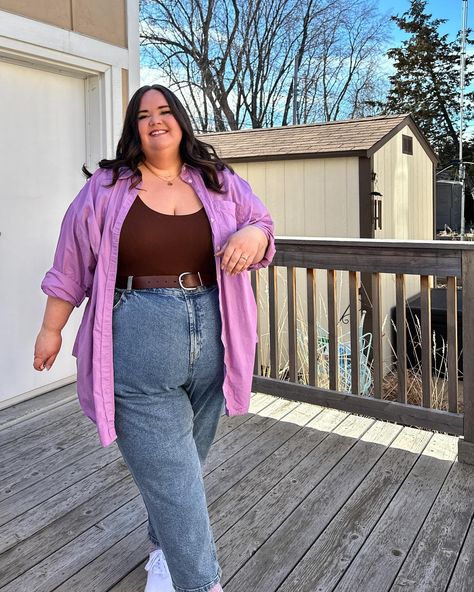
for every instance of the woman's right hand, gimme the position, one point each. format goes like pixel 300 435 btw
pixel 47 346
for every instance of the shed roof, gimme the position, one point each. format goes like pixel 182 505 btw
pixel 351 137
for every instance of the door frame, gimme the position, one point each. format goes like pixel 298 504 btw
pixel 45 47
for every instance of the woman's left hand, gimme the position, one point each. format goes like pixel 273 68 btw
pixel 243 248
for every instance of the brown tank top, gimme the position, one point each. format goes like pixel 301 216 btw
pixel 152 243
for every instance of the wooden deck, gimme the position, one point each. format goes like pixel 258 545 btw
pixel 302 499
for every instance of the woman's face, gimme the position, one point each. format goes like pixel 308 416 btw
pixel 157 126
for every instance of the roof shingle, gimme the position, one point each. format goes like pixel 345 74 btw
pixel 353 135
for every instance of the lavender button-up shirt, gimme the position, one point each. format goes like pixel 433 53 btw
pixel 85 264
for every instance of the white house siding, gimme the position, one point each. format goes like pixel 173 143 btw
pixel 61 93
pixel 41 174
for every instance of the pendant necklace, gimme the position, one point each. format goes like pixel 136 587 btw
pixel 168 180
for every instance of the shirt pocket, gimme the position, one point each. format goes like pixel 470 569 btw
pixel 227 214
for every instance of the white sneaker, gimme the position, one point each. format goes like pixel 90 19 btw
pixel 159 578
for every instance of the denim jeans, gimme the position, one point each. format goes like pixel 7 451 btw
pixel 168 373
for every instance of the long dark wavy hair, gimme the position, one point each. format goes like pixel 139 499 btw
pixel 193 152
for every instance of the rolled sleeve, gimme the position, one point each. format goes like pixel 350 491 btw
pixel 72 273
pixel 59 285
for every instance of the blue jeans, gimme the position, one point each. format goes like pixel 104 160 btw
pixel 169 371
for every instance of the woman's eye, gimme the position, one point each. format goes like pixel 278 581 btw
pixel 142 116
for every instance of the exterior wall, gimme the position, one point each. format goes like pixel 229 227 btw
pixel 105 20
pixel 308 197
pixel 78 79
pixel 406 184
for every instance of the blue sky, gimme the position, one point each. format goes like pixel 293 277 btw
pixel 446 9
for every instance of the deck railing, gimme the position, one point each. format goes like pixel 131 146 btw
pixel 357 265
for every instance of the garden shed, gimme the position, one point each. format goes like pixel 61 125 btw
pixel 361 178
pixel 372 177
pixel 66 71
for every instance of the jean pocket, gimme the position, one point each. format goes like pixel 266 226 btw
pixel 119 298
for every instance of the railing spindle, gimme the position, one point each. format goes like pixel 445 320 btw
pixel 426 365
pixel 255 280
pixel 332 330
pixel 273 320
pixel 401 337
pixel 377 335
pixel 452 337
pixel 292 345
pixel 354 281
pixel 312 326
pixel 468 347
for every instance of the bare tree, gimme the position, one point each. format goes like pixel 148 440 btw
pixel 233 60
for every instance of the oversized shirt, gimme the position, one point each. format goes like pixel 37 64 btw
pixel 85 265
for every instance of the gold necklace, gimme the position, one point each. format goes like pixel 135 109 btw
pixel 168 180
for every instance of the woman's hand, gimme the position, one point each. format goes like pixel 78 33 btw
pixel 47 346
pixel 48 342
pixel 243 248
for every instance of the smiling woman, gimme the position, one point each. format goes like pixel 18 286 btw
pixel 160 132
pixel 168 335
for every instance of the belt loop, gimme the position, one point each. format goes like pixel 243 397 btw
pixel 129 282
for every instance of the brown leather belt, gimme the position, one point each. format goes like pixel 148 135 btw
pixel 187 280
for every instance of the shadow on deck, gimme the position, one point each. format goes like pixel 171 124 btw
pixel 302 499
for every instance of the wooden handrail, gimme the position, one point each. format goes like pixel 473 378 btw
pixel 451 260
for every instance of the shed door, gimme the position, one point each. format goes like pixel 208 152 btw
pixel 42 147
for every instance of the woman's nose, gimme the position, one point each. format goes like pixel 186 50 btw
pixel 155 118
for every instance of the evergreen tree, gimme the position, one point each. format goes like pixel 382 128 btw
pixel 426 81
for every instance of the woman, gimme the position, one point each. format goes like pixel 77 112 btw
pixel 159 240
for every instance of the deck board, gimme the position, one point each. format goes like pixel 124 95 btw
pixel 287 530
pixel 300 498
pixel 391 539
pixel 431 558
pixel 334 550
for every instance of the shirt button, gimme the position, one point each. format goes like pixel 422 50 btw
pixel 212 219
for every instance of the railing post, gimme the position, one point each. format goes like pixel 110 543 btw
pixel 466 444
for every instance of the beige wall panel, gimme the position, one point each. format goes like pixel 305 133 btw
pixel 256 176
pixel 306 197
pixel 335 188
pixel 405 182
pixel 56 13
pixel 315 204
pixel 241 168
pixel 352 198
pixel 275 195
pixel 105 20
pixel 125 90
pixel 294 204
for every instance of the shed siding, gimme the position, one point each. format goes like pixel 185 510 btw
pixel 308 197
pixel 406 184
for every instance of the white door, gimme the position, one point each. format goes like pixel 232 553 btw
pixel 42 148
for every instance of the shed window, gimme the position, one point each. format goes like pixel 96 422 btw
pixel 407 144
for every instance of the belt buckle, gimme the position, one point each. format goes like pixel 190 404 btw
pixel 180 281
